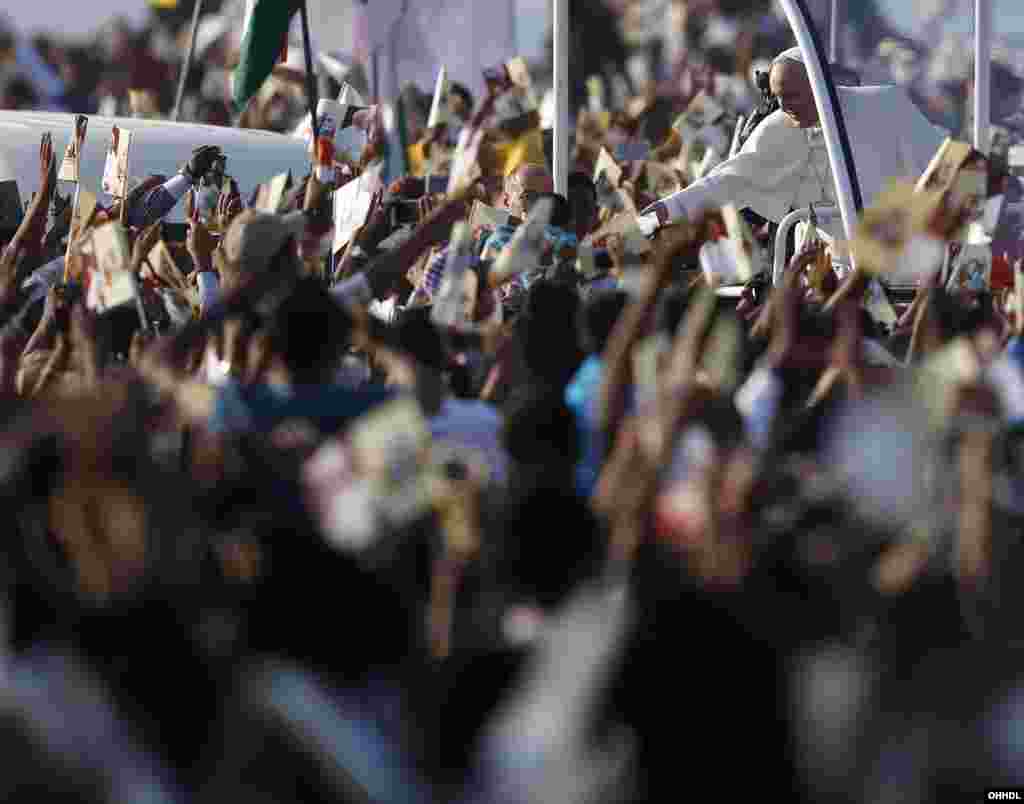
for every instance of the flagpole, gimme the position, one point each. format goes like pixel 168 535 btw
pixel 560 39
pixel 982 74
pixel 186 67
pixel 310 78
pixel 375 73
pixel 833 33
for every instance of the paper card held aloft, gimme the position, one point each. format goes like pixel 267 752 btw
pixel 957 177
pixel 349 96
pixel 115 169
pixel 271 195
pixel 110 283
pixel 11 212
pixel 483 215
pixel 449 309
pixel 83 211
pixel 885 229
pixel 390 447
pixel 439 105
pixel 352 205
pixel 70 165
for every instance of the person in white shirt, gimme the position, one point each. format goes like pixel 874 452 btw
pixel 784 165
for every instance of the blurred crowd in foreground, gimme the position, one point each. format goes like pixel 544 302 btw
pixel 427 483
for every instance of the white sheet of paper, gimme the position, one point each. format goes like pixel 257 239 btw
pixel 352 205
pixel 438 108
pixel 110 284
pixel 349 96
pixel 115 169
pixel 484 215
pixel 448 309
pixel 69 165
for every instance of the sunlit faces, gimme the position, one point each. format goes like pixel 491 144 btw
pixel 789 83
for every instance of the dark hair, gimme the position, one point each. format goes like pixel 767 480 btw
pixel 581 184
pixel 310 331
pixel 561 212
pixel 415 334
pixel 582 198
pixel 21 92
pixel 463 92
pixel 598 316
pixel 548 329
pixel 540 431
pixel 531 564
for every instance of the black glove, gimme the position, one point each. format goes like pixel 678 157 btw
pixel 201 161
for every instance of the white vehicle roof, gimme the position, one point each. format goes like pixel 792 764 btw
pixel 158 146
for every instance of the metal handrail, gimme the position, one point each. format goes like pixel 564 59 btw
pixel 786 224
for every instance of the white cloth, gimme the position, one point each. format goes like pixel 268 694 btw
pixel 781 168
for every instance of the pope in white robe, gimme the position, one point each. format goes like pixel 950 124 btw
pixel 784 164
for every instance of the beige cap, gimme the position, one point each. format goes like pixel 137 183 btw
pixel 254 237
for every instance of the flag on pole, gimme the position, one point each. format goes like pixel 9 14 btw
pixel 264 40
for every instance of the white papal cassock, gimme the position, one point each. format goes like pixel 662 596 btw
pixel 781 167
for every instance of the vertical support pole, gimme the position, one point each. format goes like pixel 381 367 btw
pixel 833 33
pixel 186 67
pixel 982 74
pixel 561 84
pixel 310 78
pixel 375 73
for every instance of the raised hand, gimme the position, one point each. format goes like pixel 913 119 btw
pixel 229 204
pixel 47 165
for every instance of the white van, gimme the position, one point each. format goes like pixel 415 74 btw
pixel 158 146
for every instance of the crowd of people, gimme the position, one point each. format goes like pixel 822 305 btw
pixel 504 495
